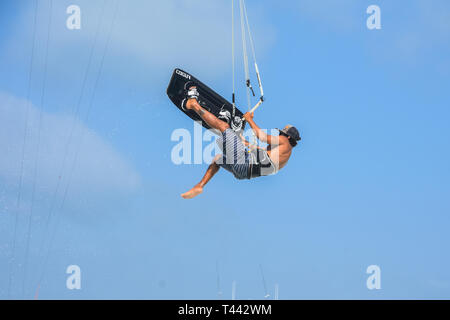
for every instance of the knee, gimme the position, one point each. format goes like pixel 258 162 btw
pixel 224 126
pixel 216 159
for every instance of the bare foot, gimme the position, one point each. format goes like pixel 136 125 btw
pixel 195 191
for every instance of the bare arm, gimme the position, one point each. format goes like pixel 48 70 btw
pixel 260 134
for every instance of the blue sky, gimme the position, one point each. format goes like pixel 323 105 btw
pixel 368 185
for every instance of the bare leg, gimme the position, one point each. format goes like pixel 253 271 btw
pixel 198 188
pixel 207 116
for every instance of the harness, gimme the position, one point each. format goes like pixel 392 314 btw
pixel 260 164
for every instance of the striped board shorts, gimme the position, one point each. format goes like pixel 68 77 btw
pixel 235 158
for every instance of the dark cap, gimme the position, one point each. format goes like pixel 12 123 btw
pixel 292 132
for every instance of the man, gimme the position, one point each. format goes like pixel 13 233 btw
pixel 243 164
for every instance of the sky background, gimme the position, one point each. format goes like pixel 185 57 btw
pixel 368 184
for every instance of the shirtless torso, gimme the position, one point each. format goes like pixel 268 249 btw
pixel 281 152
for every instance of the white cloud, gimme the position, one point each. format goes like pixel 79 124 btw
pixel 150 36
pixel 189 32
pixel 100 170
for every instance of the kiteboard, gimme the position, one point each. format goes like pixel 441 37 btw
pixel 179 84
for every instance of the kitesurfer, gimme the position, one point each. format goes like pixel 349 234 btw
pixel 235 159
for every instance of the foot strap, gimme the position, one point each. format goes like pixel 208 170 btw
pixel 193 94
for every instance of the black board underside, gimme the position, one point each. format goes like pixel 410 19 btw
pixel 210 100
